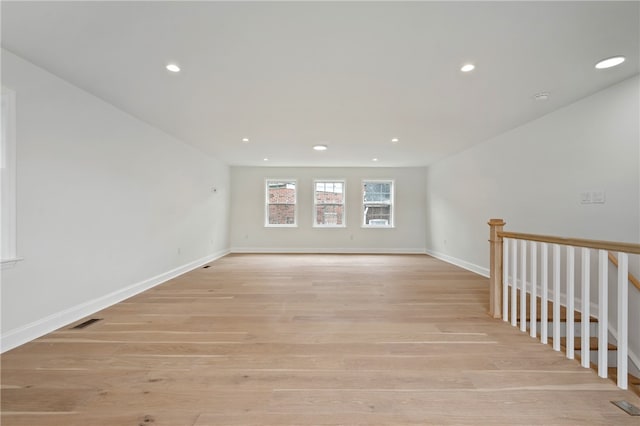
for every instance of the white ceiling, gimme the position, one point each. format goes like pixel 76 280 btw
pixel 351 75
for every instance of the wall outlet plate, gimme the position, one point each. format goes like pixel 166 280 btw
pixel 597 197
pixel 585 197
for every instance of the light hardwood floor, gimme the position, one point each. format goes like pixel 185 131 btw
pixel 304 340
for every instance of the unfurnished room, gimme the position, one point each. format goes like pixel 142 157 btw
pixel 320 213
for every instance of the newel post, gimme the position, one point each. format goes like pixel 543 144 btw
pixel 495 267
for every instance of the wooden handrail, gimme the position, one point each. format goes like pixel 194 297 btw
pixel 632 279
pixel 497 234
pixel 576 242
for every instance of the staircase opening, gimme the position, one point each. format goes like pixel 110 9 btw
pixel 540 283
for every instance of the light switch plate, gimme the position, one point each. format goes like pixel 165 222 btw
pixel 597 197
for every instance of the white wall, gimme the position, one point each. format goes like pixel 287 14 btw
pixel 532 177
pixel 107 205
pixel 248 232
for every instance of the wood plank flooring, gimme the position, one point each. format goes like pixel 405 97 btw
pixel 304 340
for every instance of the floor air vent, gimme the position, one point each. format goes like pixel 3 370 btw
pixel 86 324
pixel 629 408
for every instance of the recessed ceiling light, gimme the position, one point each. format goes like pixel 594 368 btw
pixel 395 140
pixel 610 62
pixel 173 68
pixel 320 147
pixel 245 140
pixel 467 67
pixel 542 96
pixel 374 159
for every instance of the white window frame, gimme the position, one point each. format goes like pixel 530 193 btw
pixel 8 237
pixel 344 203
pixel 267 204
pixel 392 212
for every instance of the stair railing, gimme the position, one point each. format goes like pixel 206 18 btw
pixel 632 279
pixel 512 276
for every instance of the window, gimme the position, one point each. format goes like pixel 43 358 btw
pixel 328 200
pixel 280 202
pixel 377 203
pixel 8 178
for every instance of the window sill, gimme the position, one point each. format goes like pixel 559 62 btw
pixel 377 227
pixel 10 263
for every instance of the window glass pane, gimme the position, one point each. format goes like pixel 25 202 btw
pixel 329 214
pixel 378 203
pixel 282 214
pixel 282 192
pixel 377 215
pixel 329 203
pixel 329 197
pixel 377 192
pixel 281 203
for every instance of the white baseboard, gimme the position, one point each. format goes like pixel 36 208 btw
pixel 342 250
pixel 31 331
pixel 459 262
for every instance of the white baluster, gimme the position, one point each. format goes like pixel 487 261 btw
pixel 505 279
pixel 623 310
pixel 514 283
pixel 544 294
pixel 533 306
pixel 585 336
pixel 556 297
pixel 603 313
pixel 570 333
pixel 523 286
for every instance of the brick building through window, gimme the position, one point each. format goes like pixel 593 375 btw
pixel 329 203
pixel 281 203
